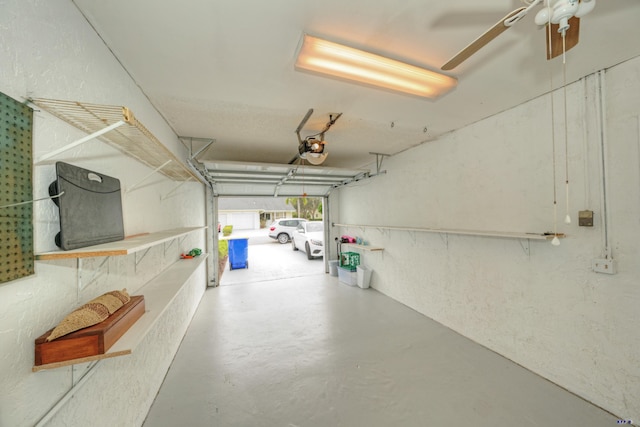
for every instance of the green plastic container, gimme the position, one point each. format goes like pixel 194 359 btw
pixel 349 260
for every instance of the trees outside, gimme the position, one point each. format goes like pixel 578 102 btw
pixel 306 207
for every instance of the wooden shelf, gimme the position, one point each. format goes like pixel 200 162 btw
pixel 121 247
pixel 132 138
pixel 364 247
pixel 158 295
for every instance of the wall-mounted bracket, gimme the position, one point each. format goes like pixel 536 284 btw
pixel 445 240
pixel 379 159
pixel 80 141
pixel 97 272
pixel 526 246
pixel 207 143
pixel 174 189
pixel 384 231
pixel 133 187
pixel 167 245
pixel 140 257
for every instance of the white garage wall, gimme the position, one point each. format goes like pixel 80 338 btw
pixel 534 303
pixel 48 50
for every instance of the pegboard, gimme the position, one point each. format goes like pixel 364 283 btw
pixel 16 222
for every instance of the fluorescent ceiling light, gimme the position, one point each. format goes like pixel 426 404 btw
pixel 328 58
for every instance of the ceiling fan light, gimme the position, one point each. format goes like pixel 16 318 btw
pixel 314 145
pixel 585 7
pixel 327 58
pixel 316 158
pixel 562 11
pixel 542 17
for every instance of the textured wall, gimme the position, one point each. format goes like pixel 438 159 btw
pixel 534 303
pixel 48 50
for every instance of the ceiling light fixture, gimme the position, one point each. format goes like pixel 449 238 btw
pixel 328 58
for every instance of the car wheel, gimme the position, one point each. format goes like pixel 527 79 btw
pixel 293 245
pixel 283 238
pixel 306 247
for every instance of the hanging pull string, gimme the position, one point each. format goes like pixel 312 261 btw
pixel 302 164
pixel 555 241
pixel 31 201
pixel 567 218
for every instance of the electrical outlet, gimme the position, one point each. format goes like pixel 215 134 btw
pixel 606 266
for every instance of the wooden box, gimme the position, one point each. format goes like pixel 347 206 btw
pixel 90 341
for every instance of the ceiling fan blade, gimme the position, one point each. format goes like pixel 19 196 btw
pixel 571 38
pixel 480 42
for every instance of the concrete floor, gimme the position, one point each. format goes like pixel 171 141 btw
pixel 310 351
pixel 270 260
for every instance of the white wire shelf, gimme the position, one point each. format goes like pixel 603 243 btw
pixel 117 126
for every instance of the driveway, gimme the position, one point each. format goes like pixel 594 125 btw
pixel 270 260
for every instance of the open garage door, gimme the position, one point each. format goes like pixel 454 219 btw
pixel 234 179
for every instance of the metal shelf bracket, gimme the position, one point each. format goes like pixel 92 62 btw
pixel 174 189
pixel 379 160
pixel 80 141
pixel 99 271
pixel 136 185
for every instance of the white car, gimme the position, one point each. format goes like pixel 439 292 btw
pixel 282 229
pixel 310 236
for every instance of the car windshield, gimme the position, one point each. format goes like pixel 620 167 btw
pixel 314 226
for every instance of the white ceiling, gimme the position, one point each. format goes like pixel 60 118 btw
pixel 224 69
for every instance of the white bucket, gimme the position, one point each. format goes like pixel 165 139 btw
pixel 333 268
pixel 364 276
pixel 347 276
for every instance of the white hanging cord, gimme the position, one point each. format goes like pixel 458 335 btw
pixel 555 241
pixel 32 201
pixel 567 218
pixel 303 193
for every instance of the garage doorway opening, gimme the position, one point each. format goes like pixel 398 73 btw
pixel 276 247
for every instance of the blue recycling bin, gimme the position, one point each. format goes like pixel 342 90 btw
pixel 238 253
